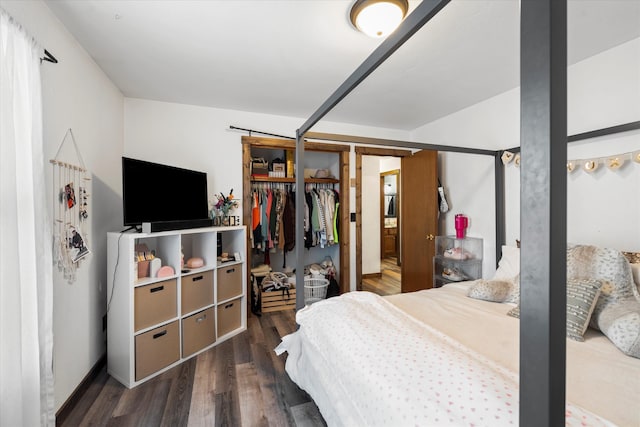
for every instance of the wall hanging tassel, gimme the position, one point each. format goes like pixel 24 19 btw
pixel 71 211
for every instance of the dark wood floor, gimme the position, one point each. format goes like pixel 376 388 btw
pixel 389 281
pixel 240 382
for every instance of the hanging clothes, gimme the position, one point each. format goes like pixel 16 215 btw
pixel 391 209
pixel 255 220
pixel 273 218
pixel 308 214
pixel 289 222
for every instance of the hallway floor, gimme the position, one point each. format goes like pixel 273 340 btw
pixel 389 281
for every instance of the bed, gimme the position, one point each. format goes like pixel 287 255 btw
pixel 439 357
pixel 543 132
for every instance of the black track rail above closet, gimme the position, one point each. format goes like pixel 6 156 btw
pixel 260 132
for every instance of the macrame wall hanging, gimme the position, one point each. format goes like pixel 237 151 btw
pixel 70 210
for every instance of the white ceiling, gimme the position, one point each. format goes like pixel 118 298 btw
pixel 286 57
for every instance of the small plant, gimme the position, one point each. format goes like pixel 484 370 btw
pixel 223 204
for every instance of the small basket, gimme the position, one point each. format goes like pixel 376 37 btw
pixel 315 289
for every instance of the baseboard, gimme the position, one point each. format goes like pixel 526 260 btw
pixel 72 401
pixel 372 276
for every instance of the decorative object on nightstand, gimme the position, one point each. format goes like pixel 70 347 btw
pixel 461 222
pixel 222 207
pixel 456 259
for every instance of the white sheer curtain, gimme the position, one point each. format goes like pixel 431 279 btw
pixel 26 336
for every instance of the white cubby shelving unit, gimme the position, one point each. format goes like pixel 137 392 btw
pixel 155 323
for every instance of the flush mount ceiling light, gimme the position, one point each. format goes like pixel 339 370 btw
pixel 378 18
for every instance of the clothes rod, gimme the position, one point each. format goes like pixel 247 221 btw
pixel 48 57
pixel 260 132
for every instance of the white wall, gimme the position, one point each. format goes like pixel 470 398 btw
pixel 603 91
pixel 469 183
pixel 389 163
pixel 78 95
pixel 370 214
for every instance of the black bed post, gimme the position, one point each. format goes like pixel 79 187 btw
pixel 299 236
pixel 543 181
pixel 501 232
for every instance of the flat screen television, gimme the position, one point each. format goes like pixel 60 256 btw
pixel 152 192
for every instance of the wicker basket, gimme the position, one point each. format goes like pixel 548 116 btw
pixel 315 289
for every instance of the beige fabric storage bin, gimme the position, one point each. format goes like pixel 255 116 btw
pixel 157 349
pixel 198 331
pixel 229 282
pixel 229 316
pixel 155 303
pixel 197 291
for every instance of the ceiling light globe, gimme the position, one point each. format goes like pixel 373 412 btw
pixel 378 18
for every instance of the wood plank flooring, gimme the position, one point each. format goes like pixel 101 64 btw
pixel 389 281
pixel 240 382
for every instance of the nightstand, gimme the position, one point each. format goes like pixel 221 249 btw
pixel 457 260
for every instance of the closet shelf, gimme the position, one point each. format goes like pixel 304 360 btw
pixel 293 180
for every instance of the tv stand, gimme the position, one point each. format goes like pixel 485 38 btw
pixel 137 228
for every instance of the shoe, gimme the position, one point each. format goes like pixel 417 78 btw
pixel 81 253
pixel 453 275
pixel 457 253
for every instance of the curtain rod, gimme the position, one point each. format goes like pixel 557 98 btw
pixel 260 132
pixel 48 57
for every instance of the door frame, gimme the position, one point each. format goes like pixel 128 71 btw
pixel 368 151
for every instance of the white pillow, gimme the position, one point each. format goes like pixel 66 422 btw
pixel 509 265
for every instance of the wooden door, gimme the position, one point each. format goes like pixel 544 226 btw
pixel 419 207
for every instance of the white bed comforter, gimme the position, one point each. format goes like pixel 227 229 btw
pixel 366 362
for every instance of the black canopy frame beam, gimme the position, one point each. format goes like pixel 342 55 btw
pixel 611 130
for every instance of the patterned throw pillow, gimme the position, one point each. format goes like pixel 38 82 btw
pixel 582 295
pixel 490 290
pixel 621 324
pixel 514 312
pixel 610 267
pixel 635 270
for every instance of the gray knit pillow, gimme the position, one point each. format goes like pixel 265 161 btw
pixel 582 295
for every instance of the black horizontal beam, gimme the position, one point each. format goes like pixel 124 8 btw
pixel 626 127
pixel 396 143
